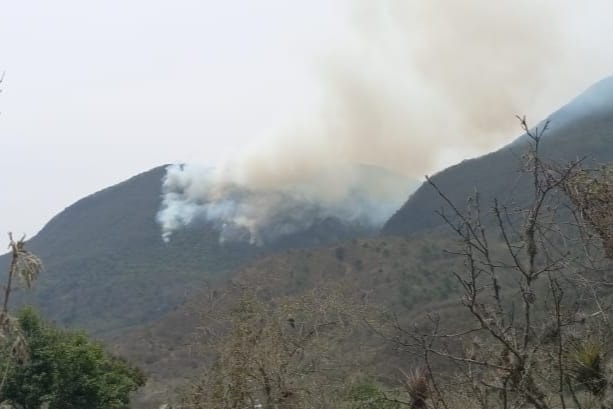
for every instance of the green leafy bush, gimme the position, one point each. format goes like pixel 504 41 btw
pixel 65 369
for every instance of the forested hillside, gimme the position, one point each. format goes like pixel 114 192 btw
pixel 401 273
pixel 107 267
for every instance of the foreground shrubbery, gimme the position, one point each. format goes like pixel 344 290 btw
pixel 42 365
pixel 65 369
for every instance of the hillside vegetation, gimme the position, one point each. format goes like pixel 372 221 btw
pixel 502 300
pixel 107 267
pixel 408 275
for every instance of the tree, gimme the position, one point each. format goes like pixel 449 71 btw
pixel 44 365
pixel 535 329
pixel 276 354
pixel 66 370
pixel 591 192
pixel 24 268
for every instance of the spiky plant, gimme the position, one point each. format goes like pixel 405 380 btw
pixel 587 366
pixel 417 386
pixel 26 268
pixel 12 338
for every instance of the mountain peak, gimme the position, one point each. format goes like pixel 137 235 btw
pixel 594 101
pixel 582 128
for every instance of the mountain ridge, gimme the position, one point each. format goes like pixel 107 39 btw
pixel 588 136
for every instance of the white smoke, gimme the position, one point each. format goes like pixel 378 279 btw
pixel 358 195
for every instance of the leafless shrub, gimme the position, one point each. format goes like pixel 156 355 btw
pixel 531 295
pixel 276 353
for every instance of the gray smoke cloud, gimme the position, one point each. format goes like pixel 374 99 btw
pixel 416 83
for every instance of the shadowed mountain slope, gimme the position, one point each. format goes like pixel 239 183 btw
pixel 107 267
pixel 581 129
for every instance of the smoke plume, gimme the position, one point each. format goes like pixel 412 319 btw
pixel 360 195
pixel 414 84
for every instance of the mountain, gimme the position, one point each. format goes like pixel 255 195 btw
pixel 106 266
pixel 108 269
pixel 409 274
pixel 581 129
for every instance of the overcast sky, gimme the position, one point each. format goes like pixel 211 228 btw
pixel 97 91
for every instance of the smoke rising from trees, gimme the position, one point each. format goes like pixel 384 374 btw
pixel 414 83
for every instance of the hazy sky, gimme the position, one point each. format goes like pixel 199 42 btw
pixel 97 91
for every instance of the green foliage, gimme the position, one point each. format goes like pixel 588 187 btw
pixel 368 395
pixel 65 369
